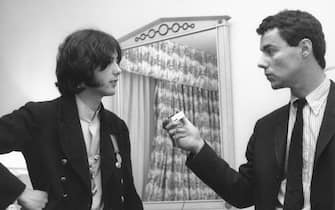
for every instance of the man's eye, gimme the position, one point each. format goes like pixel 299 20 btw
pixel 270 52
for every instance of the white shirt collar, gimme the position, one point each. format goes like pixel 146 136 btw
pixel 317 97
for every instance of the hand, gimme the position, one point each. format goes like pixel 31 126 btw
pixel 33 199
pixel 186 135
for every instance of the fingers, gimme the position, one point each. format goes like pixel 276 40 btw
pixel 172 132
pixel 177 133
pixel 165 123
pixel 169 125
pixel 41 194
pixel 33 199
pixel 43 197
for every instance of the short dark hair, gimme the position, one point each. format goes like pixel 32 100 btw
pixel 81 53
pixel 295 25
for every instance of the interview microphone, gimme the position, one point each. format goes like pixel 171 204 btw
pixel 175 117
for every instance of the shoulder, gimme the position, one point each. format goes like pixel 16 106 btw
pixel 275 115
pixel 33 113
pixel 41 108
pixel 42 105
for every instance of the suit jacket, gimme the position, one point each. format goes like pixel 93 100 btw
pixel 258 180
pixel 49 135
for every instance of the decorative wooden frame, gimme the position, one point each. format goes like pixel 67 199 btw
pixel 168 28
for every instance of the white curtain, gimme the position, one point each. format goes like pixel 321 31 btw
pixel 136 95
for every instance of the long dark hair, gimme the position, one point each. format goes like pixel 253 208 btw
pixel 81 53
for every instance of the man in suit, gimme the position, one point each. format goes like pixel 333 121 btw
pixel 291 153
pixel 77 152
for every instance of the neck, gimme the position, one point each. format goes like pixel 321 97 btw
pixel 91 100
pixel 309 79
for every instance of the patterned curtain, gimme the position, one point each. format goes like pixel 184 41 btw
pixel 173 62
pixel 186 79
pixel 168 177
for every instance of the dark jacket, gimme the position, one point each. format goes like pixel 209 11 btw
pixel 258 181
pixel 50 138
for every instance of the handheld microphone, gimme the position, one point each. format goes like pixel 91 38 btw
pixel 175 117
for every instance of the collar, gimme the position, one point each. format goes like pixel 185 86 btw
pixel 85 112
pixel 317 97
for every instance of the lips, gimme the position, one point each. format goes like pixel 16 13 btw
pixel 269 77
pixel 113 83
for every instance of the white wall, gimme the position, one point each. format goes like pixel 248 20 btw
pixel 32 30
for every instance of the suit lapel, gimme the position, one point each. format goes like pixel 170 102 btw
pixel 72 140
pixel 280 137
pixel 327 126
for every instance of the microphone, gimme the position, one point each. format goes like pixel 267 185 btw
pixel 175 117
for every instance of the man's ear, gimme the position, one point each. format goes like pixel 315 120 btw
pixel 306 47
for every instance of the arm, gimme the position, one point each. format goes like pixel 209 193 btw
pixel 10 187
pixel 15 132
pixel 235 187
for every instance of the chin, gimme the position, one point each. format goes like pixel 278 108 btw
pixel 276 86
pixel 111 93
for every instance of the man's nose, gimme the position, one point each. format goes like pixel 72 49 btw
pixel 262 63
pixel 117 69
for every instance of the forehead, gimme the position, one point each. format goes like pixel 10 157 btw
pixel 272 38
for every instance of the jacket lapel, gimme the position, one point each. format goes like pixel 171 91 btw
pixel 327 126
pixel 280 137
pixel 108 158
pixel 72 140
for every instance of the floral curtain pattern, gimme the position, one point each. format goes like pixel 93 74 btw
pixel 168 177
pixel 173 62
pixel 186 79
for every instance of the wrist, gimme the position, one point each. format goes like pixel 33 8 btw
pixel 196 149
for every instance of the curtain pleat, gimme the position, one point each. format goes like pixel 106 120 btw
pixel 136 110
pixel 168 177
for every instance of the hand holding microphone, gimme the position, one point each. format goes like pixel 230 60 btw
pixel 183 133
pixel 175 120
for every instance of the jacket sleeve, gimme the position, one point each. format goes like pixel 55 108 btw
pixel 236 187
pixel 10 187
pixel 14 133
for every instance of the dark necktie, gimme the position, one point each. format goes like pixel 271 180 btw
pixel 294 195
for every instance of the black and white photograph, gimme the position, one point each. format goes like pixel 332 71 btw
pixel 167 105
